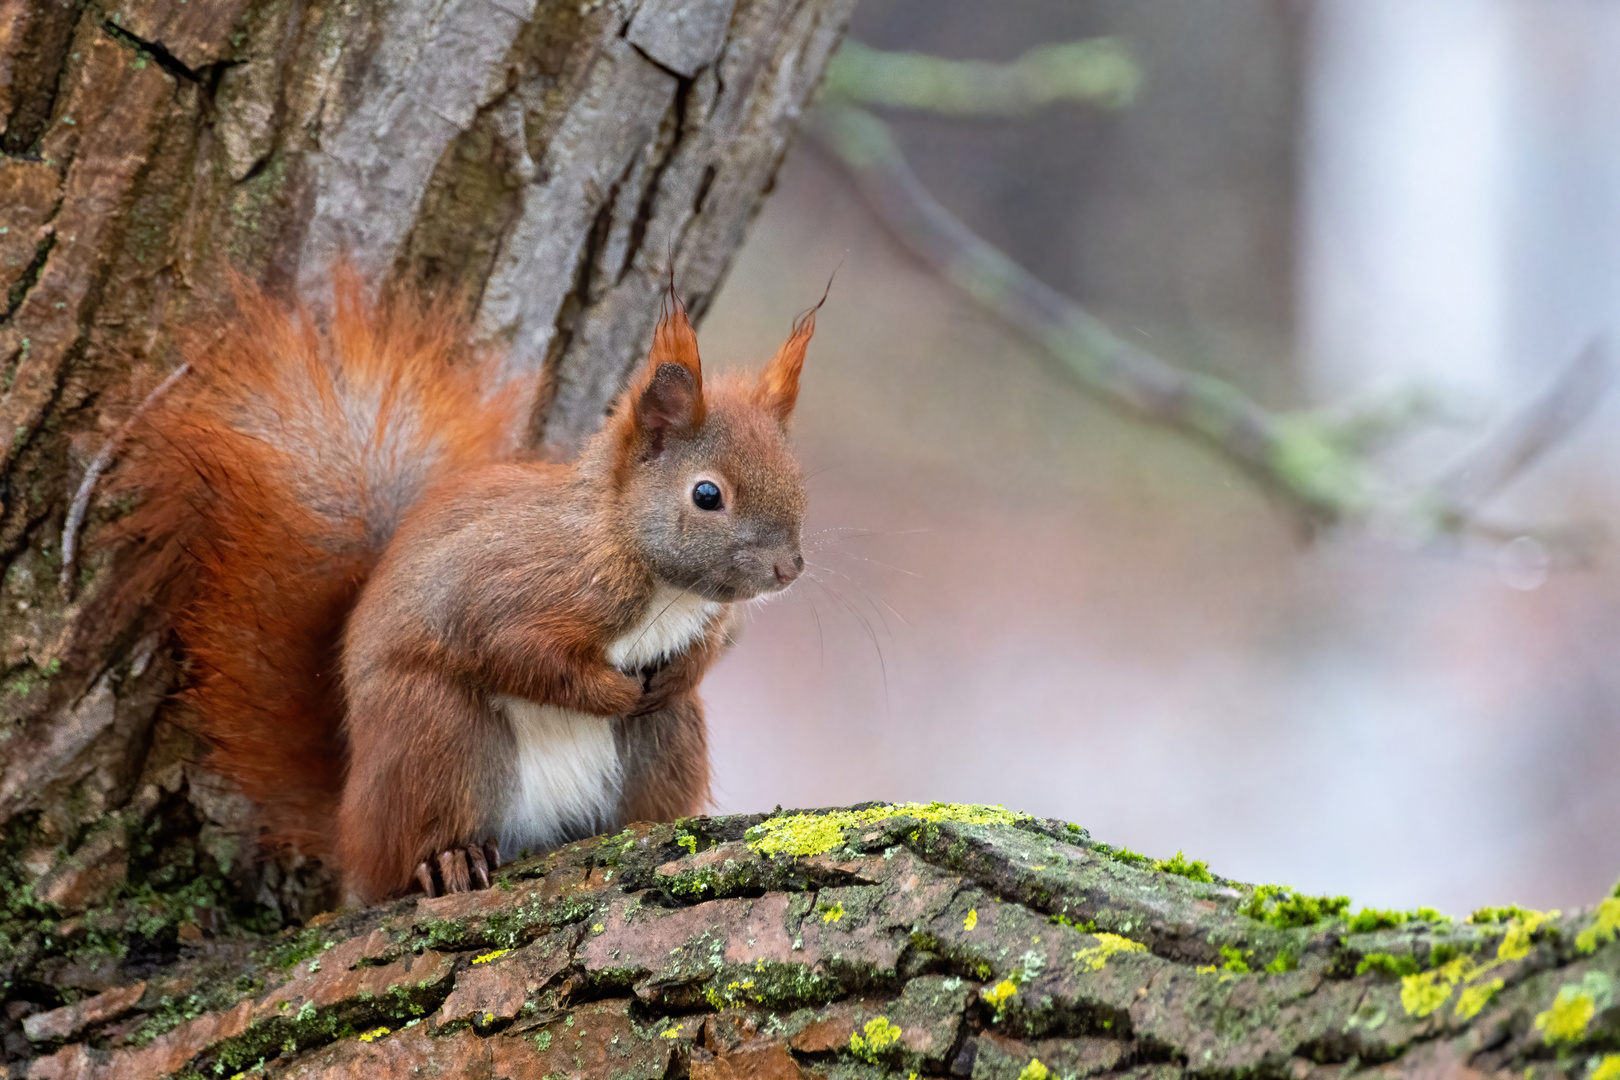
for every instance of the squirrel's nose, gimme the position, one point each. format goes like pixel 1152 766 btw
pixel 787 572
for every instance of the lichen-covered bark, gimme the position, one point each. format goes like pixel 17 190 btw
pixel 902 941
pixel 545 161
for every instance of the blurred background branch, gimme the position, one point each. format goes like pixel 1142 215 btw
pixel 1320 466
pixel 1097 71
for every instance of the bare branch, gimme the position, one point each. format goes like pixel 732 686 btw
pixel 1316 465
pixel 104 458
pixel 1098 71
pixel 1543 424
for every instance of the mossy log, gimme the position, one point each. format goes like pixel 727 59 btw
pixel 551 164
pixel 881 941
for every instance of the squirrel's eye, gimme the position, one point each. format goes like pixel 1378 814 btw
pixel 706 496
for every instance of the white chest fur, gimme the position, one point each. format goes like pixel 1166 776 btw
pixel 673 621
pixel 568 770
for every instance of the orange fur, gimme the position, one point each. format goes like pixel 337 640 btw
pixel 346 500
pixel 274 476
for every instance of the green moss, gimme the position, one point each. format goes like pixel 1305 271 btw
pixel 1367 920
pixel 1235 960
pixel 314 1026
pixel 1387 965
pixel 1124 855
pixel 1185 867
pixel 1282 907
pixel 1486 915
pixel 715 879
pixel 1286 960
pixel 295 946
pixel 507 928
pixel 816 834
pixel 169 1013
pixel 771 984
pixel 32 677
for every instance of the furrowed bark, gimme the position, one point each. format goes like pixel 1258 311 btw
pixel 877 941
pixel 544 161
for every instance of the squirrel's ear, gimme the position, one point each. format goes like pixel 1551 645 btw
pixel 779 383
pixel 670 401
pixel 669 394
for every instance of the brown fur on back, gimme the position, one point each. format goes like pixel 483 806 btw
pixel 270 480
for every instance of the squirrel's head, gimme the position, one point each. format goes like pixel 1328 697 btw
pixel 714 494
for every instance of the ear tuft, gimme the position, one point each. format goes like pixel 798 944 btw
pixel 778 387
pixel 675 343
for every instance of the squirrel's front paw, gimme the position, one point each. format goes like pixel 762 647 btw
pixel 460 869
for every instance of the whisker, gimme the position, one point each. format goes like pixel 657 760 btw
pixel 869 596
pixel 821 641
pixel 866 624
pixel 861 534
pixel 864 559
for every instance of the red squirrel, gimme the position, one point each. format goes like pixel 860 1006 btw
pixel 414 650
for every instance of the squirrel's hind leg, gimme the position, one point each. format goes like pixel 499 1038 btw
pixel 428 761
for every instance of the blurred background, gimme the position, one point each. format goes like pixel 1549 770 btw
pixel 1019 597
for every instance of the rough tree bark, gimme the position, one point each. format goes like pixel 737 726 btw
pixel 883 941
pixel 544 160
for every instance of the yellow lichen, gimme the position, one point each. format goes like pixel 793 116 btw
pixel 1566 1021
pixel 1207 969
pixel 1603 928
pixel 1422 994
pixel 833 914
pixel 487 957
pixel 1475 998
pixel 1607 1069
pixel 1516 942
pixel 1094 957
pixel 733 994
pixel 1035 1071
pixel 999 994
pixel 673 1033
pixel 373 1034
pixel 878 1035
pixel 814 834
pixel 972 919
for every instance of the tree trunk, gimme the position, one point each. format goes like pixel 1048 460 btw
pixel 884 941
pixel 546 161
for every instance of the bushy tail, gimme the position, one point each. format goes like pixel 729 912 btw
pixel 269 482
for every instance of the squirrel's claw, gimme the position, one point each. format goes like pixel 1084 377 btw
pixel 460 869
pixel 453 870
pixel 425 876
pixel 480 868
